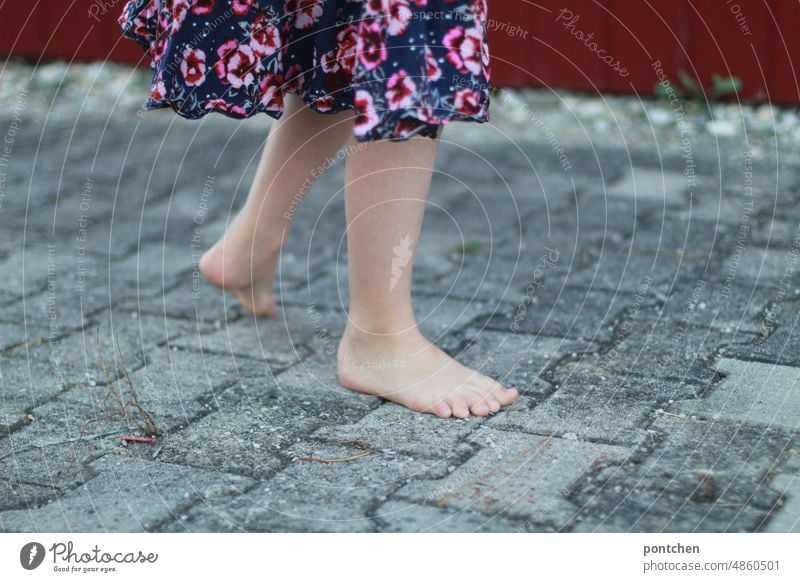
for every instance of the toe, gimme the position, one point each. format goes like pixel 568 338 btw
pixel 479 407
pixel 505 396
pixel 494 405
pixel 458 406
pixel 441 409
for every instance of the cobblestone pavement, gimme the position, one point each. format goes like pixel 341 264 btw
pixel 644 300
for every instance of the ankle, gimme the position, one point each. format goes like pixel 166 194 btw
pixel 371 334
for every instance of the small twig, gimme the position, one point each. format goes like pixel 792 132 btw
pixel 335 459
pixel 150 427
pixel 64 442
pixel 682 416
pixel 111 388
pixel 137 439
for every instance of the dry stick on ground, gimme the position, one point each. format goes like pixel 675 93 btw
pixel 149 425
pixel 335 459
pixel 111 388
pixel 368 450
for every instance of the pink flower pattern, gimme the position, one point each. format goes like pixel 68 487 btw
pixel 403 68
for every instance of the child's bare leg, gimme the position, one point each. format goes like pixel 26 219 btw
pixel 382 352
pixel 244 260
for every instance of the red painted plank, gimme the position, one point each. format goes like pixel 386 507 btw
pixel 784 55
pixel 72 33
pixel 570 37
pixel 644 33
pixel 22 27
pixel 729 38
pixel 511 44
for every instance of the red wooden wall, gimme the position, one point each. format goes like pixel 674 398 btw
pixel 702 37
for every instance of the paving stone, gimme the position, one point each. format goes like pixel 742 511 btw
pixel 74 358
pixel 394 427
pixel 14 336
pixel 516 476
pixel 482 274
pixel 174 387
pixel 255 422
pixel 625 270
pixel 651 184
pixel 279 341
pixel 45 369
pixel 21 495
pixel 717 304
pixel 311 496
pixel 569 312
pixel 518 360
pixel 400 516
pixel 752 393
pixel 612 409
pixel 693 240
pixel 758 264
pixel 787 519
pixel 781 326
pixel 128 495
pixel 693 476
pixel 665 350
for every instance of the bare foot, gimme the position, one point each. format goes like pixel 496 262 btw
pixel 408 369
pixel 244 266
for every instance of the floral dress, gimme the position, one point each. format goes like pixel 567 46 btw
pixel 404 66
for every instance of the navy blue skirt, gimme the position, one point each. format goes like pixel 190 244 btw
pixel 404 66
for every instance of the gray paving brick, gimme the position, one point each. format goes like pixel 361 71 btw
pixel 518 360
pixel 130 495
pixel 395 427
pixel 752 393
pixel 787 519
pixel 254 424
pixel 400 516
pixel 651 184
pixel 280 341
pixel 693 476
pixel 311 496
pixel 587 406
pixel 665 350
pixel 567 312
pixel 516 476
pixel 21 495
